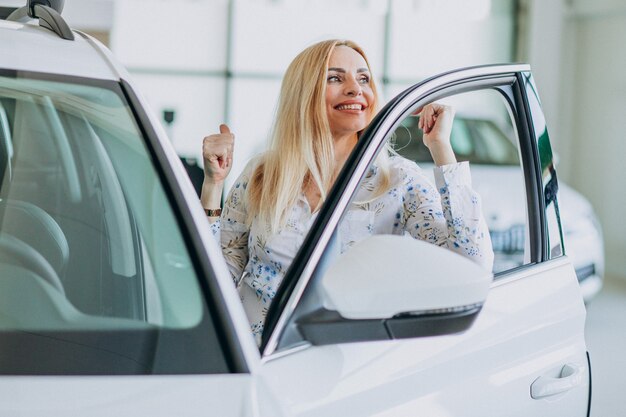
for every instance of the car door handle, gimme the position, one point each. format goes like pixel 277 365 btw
pixel 570 377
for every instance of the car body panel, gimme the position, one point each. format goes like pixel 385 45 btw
pixel 199 395
pixel 26 46
pixel 482 372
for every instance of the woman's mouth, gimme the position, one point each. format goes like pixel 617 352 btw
pixel 349 107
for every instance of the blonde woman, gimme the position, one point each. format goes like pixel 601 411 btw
pixel 328 97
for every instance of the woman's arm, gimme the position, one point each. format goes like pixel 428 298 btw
pixel 234 227
pixel 448 215
pixel 217 152
pixel 229 227
pixel 436 123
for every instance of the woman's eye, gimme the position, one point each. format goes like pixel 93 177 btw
pixel 332 78
pixel 364 79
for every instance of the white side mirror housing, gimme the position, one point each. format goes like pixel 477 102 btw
pixel 387 275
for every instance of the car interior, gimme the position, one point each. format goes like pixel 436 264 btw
pixel 93 258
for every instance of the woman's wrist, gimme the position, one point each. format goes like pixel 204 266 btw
pixel 211 197
pixel 210 181
pixel 442 155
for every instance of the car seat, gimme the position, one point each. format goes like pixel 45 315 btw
pixel 38 229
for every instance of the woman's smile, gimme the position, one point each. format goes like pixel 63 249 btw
pixel 351 107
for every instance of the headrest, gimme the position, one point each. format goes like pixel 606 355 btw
pixel 38 229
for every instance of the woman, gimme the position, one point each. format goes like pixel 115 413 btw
pixel 327 98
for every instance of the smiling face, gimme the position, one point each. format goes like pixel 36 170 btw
pixel 349 93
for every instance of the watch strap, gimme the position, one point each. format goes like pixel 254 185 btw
pixel 213 212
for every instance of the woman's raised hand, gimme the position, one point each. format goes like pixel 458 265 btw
pixel 436 122
pixel 217 152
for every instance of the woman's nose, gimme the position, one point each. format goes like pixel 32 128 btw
pixel 353 88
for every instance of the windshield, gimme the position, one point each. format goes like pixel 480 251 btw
pixel 91 254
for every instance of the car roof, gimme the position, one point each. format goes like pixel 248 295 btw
pixel 29 47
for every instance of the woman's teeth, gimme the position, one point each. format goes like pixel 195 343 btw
pixel 349 107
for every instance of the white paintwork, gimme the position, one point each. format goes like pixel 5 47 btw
pixel 154 396
pixel 385 275
pixel 26 46
pixel 530 327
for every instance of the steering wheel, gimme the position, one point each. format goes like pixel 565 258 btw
pixel 14 251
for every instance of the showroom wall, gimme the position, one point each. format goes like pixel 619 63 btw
pixel 578 55
pixel 218 60
pixel 598 117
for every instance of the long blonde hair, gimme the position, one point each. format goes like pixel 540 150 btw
pixel 301 147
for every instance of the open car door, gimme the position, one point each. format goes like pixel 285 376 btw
pixel 358 333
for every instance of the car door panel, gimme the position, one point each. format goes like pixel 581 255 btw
pixel 515 340
pixel 528 338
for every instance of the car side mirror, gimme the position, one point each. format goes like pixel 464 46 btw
pixel 395 287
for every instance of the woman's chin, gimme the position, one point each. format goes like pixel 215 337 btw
pixel 348 129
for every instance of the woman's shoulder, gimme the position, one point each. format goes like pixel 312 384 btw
pixel 248 171
pixel 239 187
pixel 407 174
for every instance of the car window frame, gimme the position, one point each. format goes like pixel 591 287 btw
pixel 311 253
pixel 201 258
pixel 534 109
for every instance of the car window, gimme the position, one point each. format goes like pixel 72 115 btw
pixel 91 251
pixel 482 134
pixel 477 210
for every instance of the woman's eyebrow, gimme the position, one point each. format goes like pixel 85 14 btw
pixel 343 71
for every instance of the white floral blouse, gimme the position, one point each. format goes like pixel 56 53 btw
pixel 449 216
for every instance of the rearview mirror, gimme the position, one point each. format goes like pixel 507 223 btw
pixel 393 287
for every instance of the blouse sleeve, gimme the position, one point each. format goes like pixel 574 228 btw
pixel 449 215
pixel 232 231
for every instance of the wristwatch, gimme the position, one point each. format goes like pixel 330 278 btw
pixel 213 212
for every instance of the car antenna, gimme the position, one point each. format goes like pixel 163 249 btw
pixel 49 14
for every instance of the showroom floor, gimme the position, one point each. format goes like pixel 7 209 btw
pixel 606 341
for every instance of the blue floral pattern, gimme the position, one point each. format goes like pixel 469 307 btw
pixel 448 214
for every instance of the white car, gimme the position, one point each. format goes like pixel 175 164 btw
pixel 116 300
pixel 492 151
